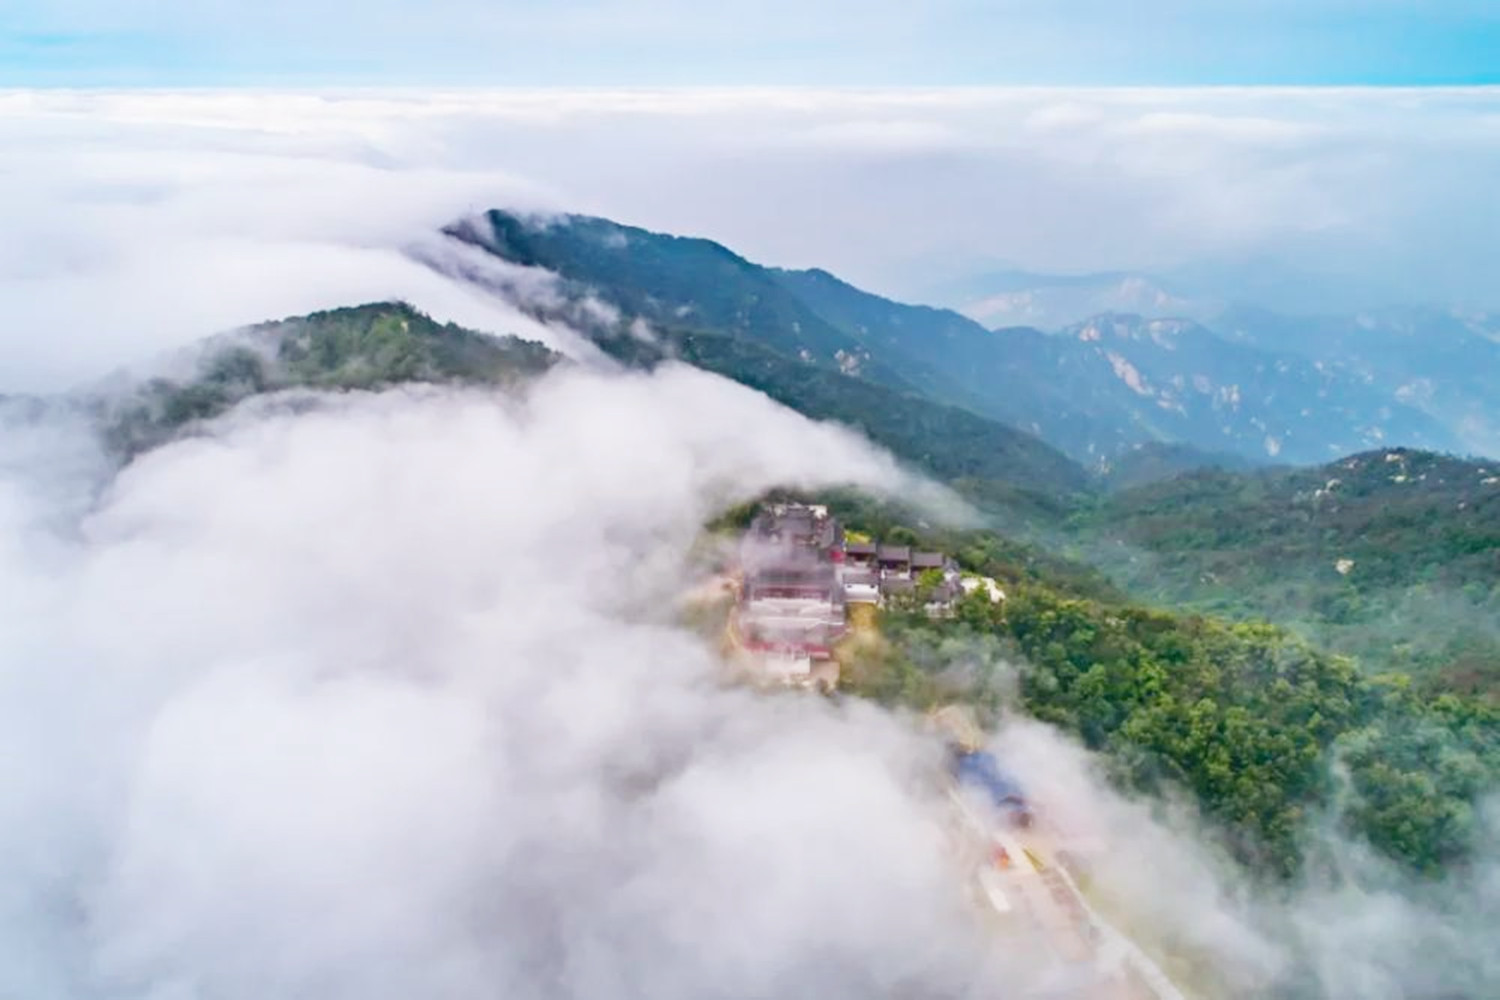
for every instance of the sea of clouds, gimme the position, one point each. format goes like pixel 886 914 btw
pixel 140 219
pixel 385 697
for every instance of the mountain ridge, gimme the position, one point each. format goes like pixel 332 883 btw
pixel 370 346
pixel 1092 393
pixel 1392 555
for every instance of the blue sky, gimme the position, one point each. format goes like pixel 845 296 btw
pixel 173 43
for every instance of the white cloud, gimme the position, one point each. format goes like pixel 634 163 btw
pixel 384 700
pixel 140 220
pixel 380 700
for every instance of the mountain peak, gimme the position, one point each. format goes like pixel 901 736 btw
pixel 368 346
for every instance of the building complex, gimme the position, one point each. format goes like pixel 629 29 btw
pixel 801 574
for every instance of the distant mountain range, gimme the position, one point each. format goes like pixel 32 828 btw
pixel 1443 362
pixel 1095 391
pixel 1053 301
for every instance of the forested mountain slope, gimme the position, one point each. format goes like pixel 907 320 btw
pixel 1442 362
pixel 1393 554
pixel 677 282
pixel 1093 392
pixel 706 306
pixel 1269 735
pixel 1011 375
pixel 360 347
pixel 1013 470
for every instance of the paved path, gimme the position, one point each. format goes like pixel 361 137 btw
pixel 1031 887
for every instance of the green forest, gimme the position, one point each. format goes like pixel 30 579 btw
pixel 361 347
pixel 1391 556
pixel 1266 732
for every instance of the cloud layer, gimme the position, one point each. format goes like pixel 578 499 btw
pixel 140 220
pixel 385 696
pixel 386 699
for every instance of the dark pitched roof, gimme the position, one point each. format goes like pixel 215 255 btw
pixel 945 592
pixel 860 548
pixel 895 553
pixel 927 560
pixel 897 585
pixel 813 575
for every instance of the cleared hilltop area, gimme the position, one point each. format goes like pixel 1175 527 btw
pixel 808 597
pixel 808 591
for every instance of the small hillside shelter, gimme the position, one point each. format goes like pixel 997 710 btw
pixel 897 586
pixel 894 559
pixel 941 602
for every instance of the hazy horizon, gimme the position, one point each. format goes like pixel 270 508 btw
pixel 143 219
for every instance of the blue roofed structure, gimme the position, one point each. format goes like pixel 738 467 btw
pixel 982 771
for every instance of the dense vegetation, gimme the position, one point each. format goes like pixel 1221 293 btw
pixel 362 347
pixel 677 281
pixel 1092 392
pixel 1156 462
pixel 1247 718
pixel 1393 556
pixel 946 441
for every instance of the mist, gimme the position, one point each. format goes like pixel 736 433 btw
pixel 383 694
pixel 138 221
pixel 385 699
